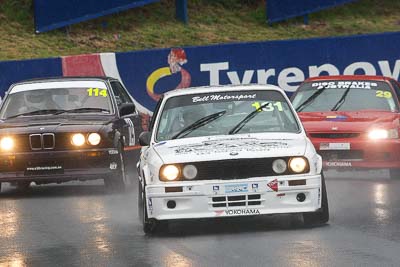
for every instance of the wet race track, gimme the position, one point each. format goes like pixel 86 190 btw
pixel 79 224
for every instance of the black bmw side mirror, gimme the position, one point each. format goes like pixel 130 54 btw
pixel 144 138
pixel 126 109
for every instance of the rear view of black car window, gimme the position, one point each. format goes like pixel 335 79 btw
pixel 120 93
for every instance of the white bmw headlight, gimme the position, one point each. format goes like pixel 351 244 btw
pixel 383 134
pixel 189 172
pixel 279 166
pixel 169 173
pixel 7 143
pixel 298 164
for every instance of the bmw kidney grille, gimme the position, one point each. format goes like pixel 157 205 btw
pixel 42 141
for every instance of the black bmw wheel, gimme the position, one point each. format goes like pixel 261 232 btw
pixel 23 185
pixel 322 215
pixel 119 181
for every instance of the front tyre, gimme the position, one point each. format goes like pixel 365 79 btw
pixel 119 181
pixel 23 186
pixel 322 215
pixel 149 226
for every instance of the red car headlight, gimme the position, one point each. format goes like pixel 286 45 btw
pixel 377 134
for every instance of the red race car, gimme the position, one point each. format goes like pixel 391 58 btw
pixel 353 121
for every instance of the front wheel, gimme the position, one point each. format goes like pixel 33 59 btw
pixel 150 226
pixel 23 186
pixel 322 215
pixel 119 181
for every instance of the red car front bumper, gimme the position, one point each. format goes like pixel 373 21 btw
pixel 358 153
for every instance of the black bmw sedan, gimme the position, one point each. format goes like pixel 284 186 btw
pixel 63 129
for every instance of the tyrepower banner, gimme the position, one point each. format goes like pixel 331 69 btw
pixel 53 14
pixel 148 74
pixel 278 10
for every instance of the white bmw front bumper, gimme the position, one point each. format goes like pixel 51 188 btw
pixel 224 198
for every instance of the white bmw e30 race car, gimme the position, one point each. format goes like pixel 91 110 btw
pixel 228 151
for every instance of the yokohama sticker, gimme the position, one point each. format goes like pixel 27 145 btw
pixel 338 164
pixel 238 212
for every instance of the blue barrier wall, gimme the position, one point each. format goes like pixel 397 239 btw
pixel 284 63
pixel 278 10
pixel 147 74
pixel 14 71
pixel 51 14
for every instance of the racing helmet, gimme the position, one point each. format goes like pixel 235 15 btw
pixel 35 98
pixel 193 113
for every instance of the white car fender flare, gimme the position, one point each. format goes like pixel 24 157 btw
pixel 146 174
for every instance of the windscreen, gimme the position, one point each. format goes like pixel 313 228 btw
pixel 90 99
pixel 345 96
pixel 224 111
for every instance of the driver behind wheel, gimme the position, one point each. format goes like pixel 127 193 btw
pixel 188 116
pixel 37 100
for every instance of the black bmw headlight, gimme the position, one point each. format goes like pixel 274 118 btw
pixel 7 143
pixel 80 139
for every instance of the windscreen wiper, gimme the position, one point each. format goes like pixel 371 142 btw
pixel 341 100
pixel 309 100
pixel 250 116
pixel 38 112
pixel 83 110
pixel 199 123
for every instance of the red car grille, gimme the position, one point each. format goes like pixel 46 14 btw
pixel 334 135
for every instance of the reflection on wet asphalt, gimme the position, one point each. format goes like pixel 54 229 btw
pixel 79 224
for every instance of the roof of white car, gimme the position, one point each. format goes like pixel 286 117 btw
pixel 221 88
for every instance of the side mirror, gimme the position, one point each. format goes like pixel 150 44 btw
pixel 126 109
pixel 144 138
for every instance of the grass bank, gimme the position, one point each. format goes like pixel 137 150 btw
pixel 211 22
